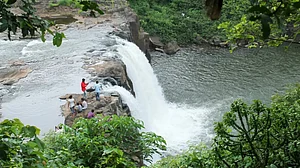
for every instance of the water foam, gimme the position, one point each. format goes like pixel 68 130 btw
pixel 178 124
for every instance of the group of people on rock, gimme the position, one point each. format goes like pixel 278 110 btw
pixel 81 106
pixel 77 107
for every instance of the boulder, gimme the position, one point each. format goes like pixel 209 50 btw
pixel 9 76
pixel 200 40
pixel 155 43
pixel 217 41
pixel 137 34
pixel 242 42
pixel 171 48
pixel 115 70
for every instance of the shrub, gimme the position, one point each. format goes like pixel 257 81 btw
pixel 251 136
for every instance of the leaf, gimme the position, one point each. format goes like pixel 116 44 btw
pixel 296 5
pixel 3 27
pixel 57 39
pixel 254 18
pixel 9 2
pixel 43 36
pixel 99 11
pixel 40 144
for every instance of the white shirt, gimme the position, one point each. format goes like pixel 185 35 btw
pixel 71 102
pixel 97 88
pixel 78 107
pixel 84 105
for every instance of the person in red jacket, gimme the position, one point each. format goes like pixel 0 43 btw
pixel 83 87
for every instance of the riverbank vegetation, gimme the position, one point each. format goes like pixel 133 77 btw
pixel 254 136
pixel 184 20
pixel 254 22
pixel 251 136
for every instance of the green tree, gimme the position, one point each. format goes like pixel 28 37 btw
pixel 20 146
pixel 103 142
pixel 110 141
pixel 254 136
pixel 275 22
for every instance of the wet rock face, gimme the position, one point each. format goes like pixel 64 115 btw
pixel 113 71
pixel 110 70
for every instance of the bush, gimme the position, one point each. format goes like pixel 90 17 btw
pixel 184 20
pixel 20 146
pixel 103 142
pixel 99 142
pixel 251 136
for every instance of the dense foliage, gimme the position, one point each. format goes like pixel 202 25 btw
pixel 267 22
pixel 30 24
pixel 253 21
pixel 185 20
pixel 251 136
pixel 98 142
pixel 20 146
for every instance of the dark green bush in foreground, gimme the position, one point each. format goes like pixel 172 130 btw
pixel 98 142
pixel 253 136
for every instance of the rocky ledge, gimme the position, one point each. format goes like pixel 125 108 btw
pixel 110 71
pixel 13 73
pixel 108 105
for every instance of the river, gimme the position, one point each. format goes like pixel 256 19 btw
pixel 199 76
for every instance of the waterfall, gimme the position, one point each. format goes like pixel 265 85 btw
pixel 179 125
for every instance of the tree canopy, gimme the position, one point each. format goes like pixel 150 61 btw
pixel 110 141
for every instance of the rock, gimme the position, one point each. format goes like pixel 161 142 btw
pixel 223 44
pixel 155 43
pixel 17 63
pixel 200 40
pixel 159 50
pixel 114 69
pixel 108 105
pixel 121 33
pixel 138 36
pixel 64 97
pixel 242 42
pixel 9 82
pixel 217 41
pixel 171 48
pixel 12 75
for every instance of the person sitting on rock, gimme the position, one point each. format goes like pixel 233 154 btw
pixel 78 108
pixel 91 114
pixel 71 105
pixel 84 104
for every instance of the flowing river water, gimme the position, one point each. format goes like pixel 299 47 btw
pixel 179 97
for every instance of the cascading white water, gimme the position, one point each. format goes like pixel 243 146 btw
pixel 177 124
